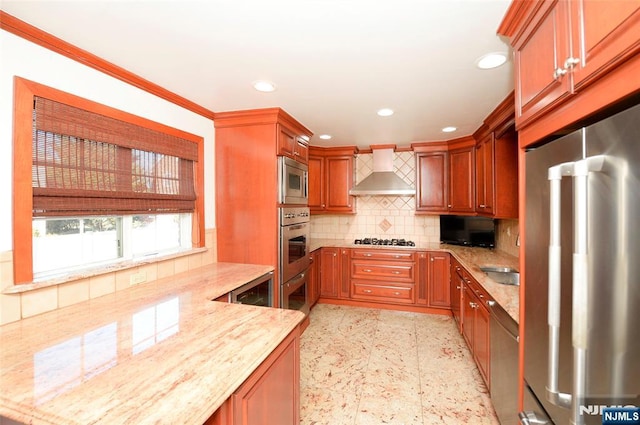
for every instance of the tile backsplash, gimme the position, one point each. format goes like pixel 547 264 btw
pixel 381 216
pixel 394 216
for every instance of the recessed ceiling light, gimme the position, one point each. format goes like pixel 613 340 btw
pixel 264 86
pixel 491 60
pixel 325 136
pixel 385 112
pixel 449 129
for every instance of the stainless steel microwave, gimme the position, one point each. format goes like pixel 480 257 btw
pixel 292 180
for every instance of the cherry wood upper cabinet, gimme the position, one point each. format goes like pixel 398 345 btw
pixel 539 60
pixel 292 145
pixel 566 48
pixel 462 180
pixel 432 180
pixel 497 163
pixel 605 34
pixel 445 176
pixel 330 179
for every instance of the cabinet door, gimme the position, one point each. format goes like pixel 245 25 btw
pixel 339 178
pixel 609 33
pixel 271 395
pixel 542 51
pixel 314 277
pixel 432 181
pixel 439 292
pixel 481 341
pixel 468 315
pixel 461 180
pixel 286 142
pixel 345 279
pixel 422 279
pixel 330 272
pixel 301 150
pixel 315 179
pixel 456 293
pixel 485 177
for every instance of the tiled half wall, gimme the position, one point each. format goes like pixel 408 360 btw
pixel 18 306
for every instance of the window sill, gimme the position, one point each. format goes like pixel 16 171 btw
pixel 83 274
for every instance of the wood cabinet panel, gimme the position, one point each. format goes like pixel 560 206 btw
pixel 330 272
pixel 485 177
pixel 272 393
pixel 383 270
pixel 456 291
pixel 339 180
pixel 378 291
pixel 439 280
pixel 292 145
pixel 468 316
pixel 314 277
pixel 315 183
pixel 380 254
pixel 330 179
pixel 462 180
pixel 538 57
pixel 562 48
pixel 481 343
pixel 432 181
pixel 609 33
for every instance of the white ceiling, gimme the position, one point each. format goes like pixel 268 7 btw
pixel 334 62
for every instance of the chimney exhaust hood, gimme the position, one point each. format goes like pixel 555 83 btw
pixel 383 181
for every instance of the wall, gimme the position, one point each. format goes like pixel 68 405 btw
pixel 27 60
pixel 394 216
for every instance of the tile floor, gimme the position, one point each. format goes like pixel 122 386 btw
pixel 364 366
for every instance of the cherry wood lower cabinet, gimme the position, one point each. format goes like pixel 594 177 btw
pixel 456 292
pixel 475 326
pixel 334 269
pixel 314 277
pixel 386 276
pixel 271 395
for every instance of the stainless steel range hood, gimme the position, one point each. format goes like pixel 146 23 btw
pixel 383 181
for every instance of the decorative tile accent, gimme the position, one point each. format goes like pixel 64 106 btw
pixel 384 225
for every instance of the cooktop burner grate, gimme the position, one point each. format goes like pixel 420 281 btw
pixel 380 241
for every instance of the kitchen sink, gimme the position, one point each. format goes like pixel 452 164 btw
pixel 504 275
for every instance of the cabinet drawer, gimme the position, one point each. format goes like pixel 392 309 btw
pixel 376 292
pixel 383 270
pixel 380 254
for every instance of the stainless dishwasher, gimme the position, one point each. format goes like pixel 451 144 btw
pixel 504 364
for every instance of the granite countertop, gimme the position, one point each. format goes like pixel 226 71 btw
pixel 508 296
pixel 159 352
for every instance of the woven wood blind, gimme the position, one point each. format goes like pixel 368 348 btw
pixel 89 164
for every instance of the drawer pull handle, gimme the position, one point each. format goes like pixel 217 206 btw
pixel 366 254
pixel 367 270
pixel 396 293
pixel 367 291
pixel 395 272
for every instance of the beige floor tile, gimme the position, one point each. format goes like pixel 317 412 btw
pixel 371 367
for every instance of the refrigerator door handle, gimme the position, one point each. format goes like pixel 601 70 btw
pixel 580 278
pixel 555 175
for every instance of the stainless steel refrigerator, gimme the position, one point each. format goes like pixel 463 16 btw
pixel 582 271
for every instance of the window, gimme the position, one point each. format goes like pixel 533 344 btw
pixel 99 185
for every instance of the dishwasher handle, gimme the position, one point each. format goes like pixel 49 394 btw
pixel 492 304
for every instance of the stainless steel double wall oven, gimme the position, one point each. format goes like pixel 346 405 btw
pixel 294 258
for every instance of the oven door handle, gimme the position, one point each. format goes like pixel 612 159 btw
pixel 296 281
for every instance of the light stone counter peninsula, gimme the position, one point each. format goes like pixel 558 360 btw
pixel 470 258
pixel 159 352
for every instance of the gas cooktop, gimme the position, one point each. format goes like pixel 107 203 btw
pixel 390 242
